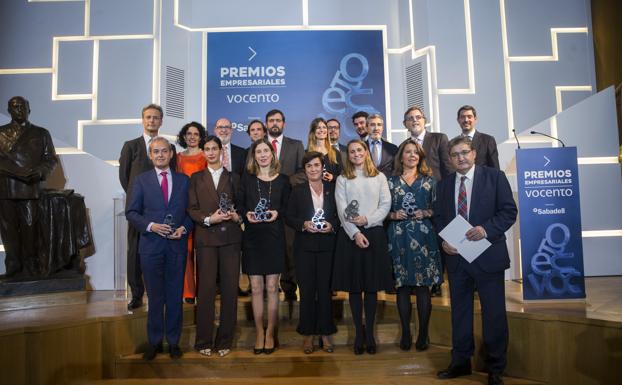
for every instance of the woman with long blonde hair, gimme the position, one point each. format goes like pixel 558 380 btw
pixel 318 140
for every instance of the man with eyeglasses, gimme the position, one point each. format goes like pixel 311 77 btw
pixel 334 130
pixel 233 157
pixel 434 143
pixel 484 144
pixel 482 196
pixel 289 152
pixel 381 151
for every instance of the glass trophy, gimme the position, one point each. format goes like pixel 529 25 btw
pixel 352 211
pixel 261 214
pixel 318 220
pixel 224 204
pixel 409 205
pixel 168 220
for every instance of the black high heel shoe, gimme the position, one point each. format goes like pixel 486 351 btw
pixel 422 344
pixel 371 345
pixel 359 347
pixel 406 342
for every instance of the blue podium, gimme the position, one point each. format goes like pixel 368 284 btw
pixel 550 223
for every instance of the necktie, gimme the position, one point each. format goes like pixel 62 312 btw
pixel 225 158
pixel 462 200
pixel 164 186
pixel 274 145
pixel 374 152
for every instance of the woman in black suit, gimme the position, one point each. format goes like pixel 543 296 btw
pixel 313 250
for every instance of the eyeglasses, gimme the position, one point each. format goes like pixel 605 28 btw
pixel 414 118
pixel 461 153
pixel 223 127
pixel 275 120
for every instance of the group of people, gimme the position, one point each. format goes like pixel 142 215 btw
pixel 359 218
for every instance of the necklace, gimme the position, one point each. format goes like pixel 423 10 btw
pixel 269 192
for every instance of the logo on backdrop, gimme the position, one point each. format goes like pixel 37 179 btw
pixel 305 74
pixel 345 85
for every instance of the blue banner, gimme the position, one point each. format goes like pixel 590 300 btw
pixel 550 223
pixel 305 74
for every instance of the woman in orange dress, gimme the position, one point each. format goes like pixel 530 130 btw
pixel 191 160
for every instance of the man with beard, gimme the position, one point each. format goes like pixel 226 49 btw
pixel 359 121
pixel 233 157
pixel 289 152
pixel 334 131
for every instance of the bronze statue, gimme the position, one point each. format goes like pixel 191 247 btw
pixel 27 157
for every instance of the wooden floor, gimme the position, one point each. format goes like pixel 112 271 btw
pixel 603 302
pixel 100 343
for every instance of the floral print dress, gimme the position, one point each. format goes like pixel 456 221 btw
pixel 412 243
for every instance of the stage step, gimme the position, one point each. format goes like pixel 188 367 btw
pixel 289 365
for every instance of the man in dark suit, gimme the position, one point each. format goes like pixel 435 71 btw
pixel 334 131
pixel 484 144
pixel 233 157
pixel 434 143
pixel 157 209
pixel 133 161
pixel 290 152
pixel 27 157
pixel 381 151
pixel 482 195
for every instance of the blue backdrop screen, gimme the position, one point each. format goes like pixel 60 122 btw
pixel 305 74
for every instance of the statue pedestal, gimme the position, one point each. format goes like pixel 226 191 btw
pixel 30 294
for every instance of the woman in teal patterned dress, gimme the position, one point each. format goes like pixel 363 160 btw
pixel 412 239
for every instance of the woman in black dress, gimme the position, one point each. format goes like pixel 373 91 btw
pixel 263 201
pixel 319 141
pixel 311 211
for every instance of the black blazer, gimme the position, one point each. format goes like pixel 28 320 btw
pixel 300 209
pixel 486 148
pixel 290 158
pixel 492 207
pixel 238 159
pixel 389 150
pixel 435 145
pixel 203 201
pixel 134 160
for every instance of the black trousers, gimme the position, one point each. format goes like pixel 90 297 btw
pixel 491 288
pixel 223 261
pixel 134 271
pixel 18 229
pixel 314 276
pixel 288 279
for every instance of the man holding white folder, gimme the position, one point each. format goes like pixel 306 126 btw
pixel 483 197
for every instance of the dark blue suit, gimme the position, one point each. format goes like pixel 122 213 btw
pixel 162 260
pixel 493 208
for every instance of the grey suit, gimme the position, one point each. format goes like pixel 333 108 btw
pixel 437 154
pixel 290 158
pixel 389 150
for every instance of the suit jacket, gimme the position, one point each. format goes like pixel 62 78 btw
pixel 486 148
pixel 238 159
pixel 134 160
pixel 437 154
pixel 146 205
pixel 389 150
pixel 203 199
pixel 492 207
pixel 300 209
pixel 26 162
pixel 290 158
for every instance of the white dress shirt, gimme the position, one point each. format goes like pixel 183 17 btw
pixel 279 144
pixel 215 178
